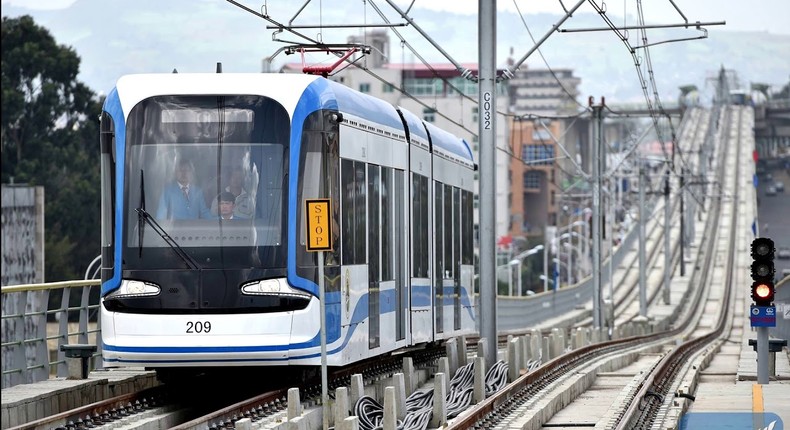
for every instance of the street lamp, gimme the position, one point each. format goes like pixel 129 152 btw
pixel 579 260
pixel 581 248
pixel 557 264
pixel 570 262
pixel 517 261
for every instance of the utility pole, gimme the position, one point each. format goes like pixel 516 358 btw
pixel 642 263
pixel 610 246
pixel 667 225
pixel 682 222
pixel 597 142
pixel 487 133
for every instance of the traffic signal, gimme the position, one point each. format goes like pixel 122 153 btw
pixel 763 271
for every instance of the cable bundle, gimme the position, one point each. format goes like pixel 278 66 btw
pixel 419 410
pixel 369 412
pixel 419 406
pixel 496 378
pixel 461 393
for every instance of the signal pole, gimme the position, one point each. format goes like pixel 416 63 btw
pixel 763 311
pixel 682 222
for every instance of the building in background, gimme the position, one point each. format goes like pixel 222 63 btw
pixel 543 92
pixel 549 143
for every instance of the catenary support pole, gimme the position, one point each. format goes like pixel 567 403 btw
pixel 487 133
pixel 642 259
pixel 597 141
pixel 667 231
pixel 682 222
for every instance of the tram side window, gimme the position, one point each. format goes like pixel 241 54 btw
pixel 318 165
pixel 374 247
pixel 467 252
pixel 439 232
pixel 438 275
pixel 354 213
pixel 420 226
pixel 107 141
pixel 374 213
pixel 387 225
pixel 449 233
pixel 457 226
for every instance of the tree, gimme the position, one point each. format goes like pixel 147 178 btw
pixel 49 136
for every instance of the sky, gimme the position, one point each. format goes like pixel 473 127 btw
pixel 192 35
pixel 755 15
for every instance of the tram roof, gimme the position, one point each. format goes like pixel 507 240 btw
pixel 293 91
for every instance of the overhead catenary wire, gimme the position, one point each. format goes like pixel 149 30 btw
pixel 433 71
pixel 319 42
pixel 554 75
pixel 654 111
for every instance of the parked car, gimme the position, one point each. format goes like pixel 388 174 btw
pixel 770 191
pixel 783 253
pixel 780 186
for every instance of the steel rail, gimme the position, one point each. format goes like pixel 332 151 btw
pixel 488 412
pixel 642 412
pixel 101 413
pixel 266 404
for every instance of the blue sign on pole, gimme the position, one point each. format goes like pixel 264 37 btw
pixel 556 276
pixel 754 228
pixel 763 316
pixel 754 179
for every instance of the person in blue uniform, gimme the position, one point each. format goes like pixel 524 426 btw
pixel 181 199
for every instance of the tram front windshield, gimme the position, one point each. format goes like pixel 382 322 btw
pixel 205 180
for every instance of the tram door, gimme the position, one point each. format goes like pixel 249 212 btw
pixel 385 240
pixel 421 307
pixel 447 273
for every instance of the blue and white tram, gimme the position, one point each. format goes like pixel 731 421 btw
pixel 183 288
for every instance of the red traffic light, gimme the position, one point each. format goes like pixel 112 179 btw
pixel 763 293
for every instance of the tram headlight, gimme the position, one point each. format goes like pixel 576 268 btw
pixel 272 287
pixel 130 288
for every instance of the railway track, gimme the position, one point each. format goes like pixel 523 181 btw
pixel 518 405
pixel 208 406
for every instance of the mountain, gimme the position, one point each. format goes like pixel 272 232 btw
pixel 145 36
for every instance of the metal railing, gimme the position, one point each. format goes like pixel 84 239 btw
pixel 34 327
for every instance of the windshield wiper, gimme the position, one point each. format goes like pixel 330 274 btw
pixel 189 261
pixel 140 229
